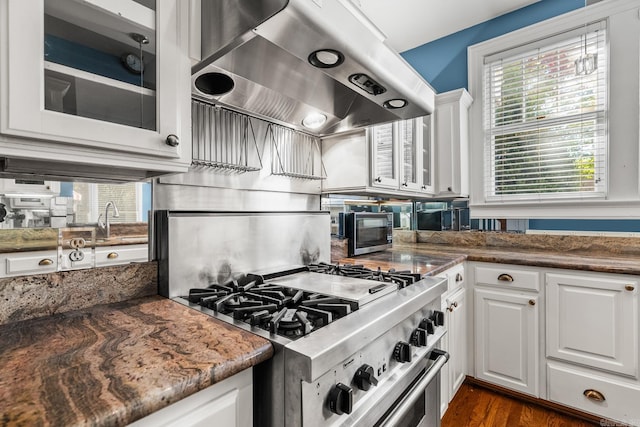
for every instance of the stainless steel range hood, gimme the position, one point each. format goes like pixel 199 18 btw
pixel 257 58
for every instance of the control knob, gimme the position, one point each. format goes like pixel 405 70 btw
pixel 427 325
pixel 341 399
pixel 419 337
pixel 438 318
pixel 402 352
pixel 365 378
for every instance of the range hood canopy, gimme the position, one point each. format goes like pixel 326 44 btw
pixel 286 60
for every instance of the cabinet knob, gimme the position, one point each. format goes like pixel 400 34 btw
pixel 172 140
pixel 532 302
pixel 449 189
pixel 424 187
pixel 504 277
pixel 459 277
pixel 404 184
pixel 45 261
pixel 629 288
pixel 594 395
pixel 378 179
pixel 112 255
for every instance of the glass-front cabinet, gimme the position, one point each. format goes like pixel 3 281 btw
pixel 401 155
pixel 384 143
pixel 103 74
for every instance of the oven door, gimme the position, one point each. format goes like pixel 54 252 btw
pixel 410 399
pixel 419 404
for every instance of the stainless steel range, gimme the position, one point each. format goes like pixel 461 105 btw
pixel 353 347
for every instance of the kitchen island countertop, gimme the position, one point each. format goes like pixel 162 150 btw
pixel 115 363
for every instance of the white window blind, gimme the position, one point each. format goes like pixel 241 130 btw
pixel 546 118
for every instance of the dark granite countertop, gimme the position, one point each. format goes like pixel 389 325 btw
pixel 115 363
pixel 431 259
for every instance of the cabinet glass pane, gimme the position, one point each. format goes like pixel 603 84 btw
pixel 100 63
pixel 409 157
pixel 426 152
pixel 383 143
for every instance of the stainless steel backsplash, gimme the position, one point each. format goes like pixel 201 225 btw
pixel 198 248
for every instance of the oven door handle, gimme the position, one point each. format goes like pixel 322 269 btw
pixel 441 357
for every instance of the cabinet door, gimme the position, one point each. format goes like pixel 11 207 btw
pixel 426 157
pixel 593 320
pixel 384 167
pixel 409 133
pixel 452 141
pixel 445 372
pixel 506 331
pixel 228 403
pixel 457 308
pixel 96 73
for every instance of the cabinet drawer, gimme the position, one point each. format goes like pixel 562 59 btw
pixel 114 255
pixel 33 263
pixel 507 276
pixel 567 385
pixel 455 278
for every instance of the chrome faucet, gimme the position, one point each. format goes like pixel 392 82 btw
pixel 105 227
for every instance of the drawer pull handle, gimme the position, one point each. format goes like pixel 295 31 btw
pixel 504 277
pixel 532 302
pixel 458 277
pixel 629 288
pixel 112 255
pixel 45 261
pixel 594 395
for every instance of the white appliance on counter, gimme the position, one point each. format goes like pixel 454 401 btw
pixel 31 203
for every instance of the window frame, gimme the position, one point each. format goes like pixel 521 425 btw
pixel 623 198
pixel 523 52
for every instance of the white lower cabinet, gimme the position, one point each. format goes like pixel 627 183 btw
pixel 454 307
pixel 457 315
pixel 573 341
pixel 506 336
pixel 228 403
pixel 592 319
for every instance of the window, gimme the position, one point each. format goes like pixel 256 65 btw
pixel 545 118
pixel 90 200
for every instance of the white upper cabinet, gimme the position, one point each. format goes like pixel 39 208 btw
pixel 97 76
pixel 451 119
pixel 400 155
pixel 391 158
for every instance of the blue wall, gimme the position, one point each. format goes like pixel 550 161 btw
pixel 443 62
pixel 585 224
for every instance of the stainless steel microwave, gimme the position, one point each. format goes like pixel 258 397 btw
pixel 368 232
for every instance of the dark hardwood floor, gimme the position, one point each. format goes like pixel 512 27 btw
pixel 477 406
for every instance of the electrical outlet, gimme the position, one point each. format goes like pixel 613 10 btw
pixel 76 256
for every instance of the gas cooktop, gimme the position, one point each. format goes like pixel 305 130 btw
pixel 293 302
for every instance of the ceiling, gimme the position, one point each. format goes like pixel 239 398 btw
pixel 411 23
